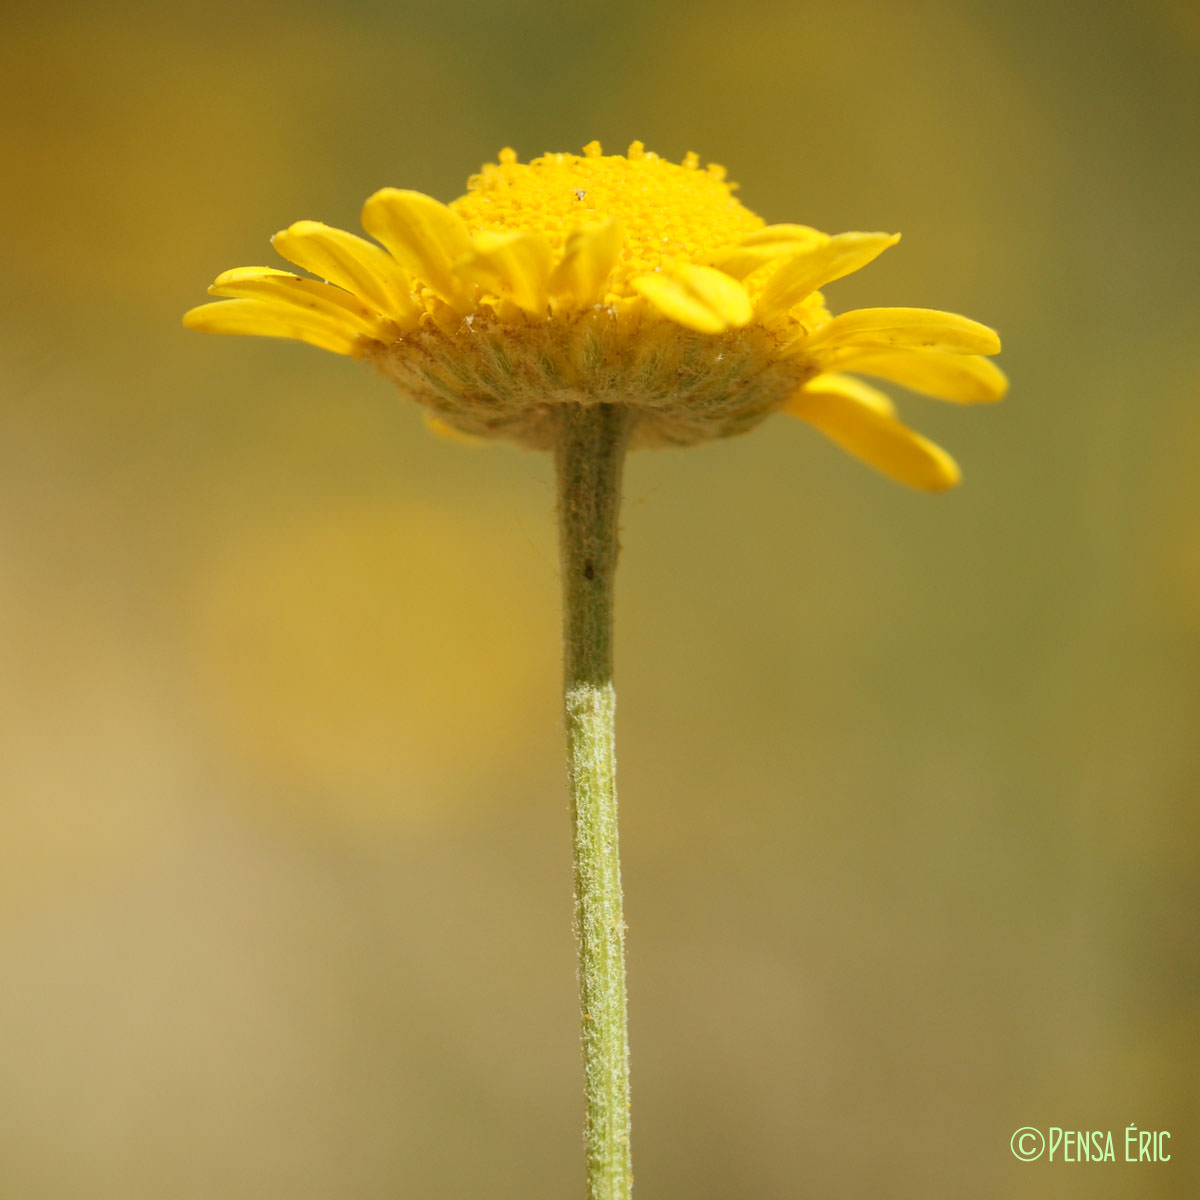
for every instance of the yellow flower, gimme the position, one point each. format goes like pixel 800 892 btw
pixel 609 279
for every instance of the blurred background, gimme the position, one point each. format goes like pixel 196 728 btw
pixel 909 785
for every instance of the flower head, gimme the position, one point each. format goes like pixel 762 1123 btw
pixel 613 279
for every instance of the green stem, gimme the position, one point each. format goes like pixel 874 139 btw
pixel 590 455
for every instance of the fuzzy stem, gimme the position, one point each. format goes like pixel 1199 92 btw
pixel 590 454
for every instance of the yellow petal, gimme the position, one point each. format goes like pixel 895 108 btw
pixel 588 259
pixel 700 298
pixel 958 378
pixel 875 438
pixel 763 246
pixel 351 262
pixel 903 328
pixel 513 264
pixel 440 429
pixel 263 319
pixel 424 235
pixel 854 390
pixel 810 269
pixel 266 283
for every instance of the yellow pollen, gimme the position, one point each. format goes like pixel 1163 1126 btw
pixel 668 212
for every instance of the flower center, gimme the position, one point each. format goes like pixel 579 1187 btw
pixel 668 212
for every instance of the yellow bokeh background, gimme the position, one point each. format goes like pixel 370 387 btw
pixel 909 785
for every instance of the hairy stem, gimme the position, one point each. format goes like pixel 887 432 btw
pixel 590 455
